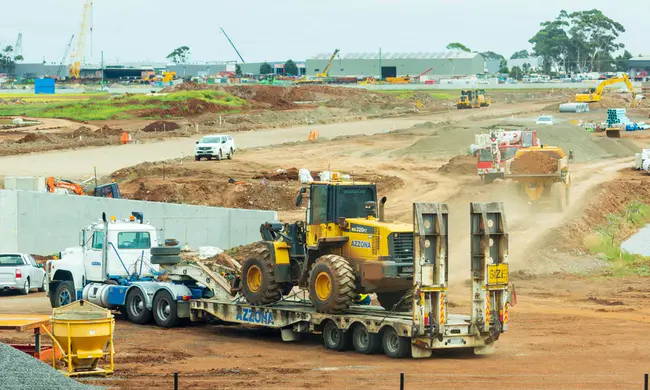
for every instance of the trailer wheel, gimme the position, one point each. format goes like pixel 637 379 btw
pixel 388 300
pixel 167 259
pixel 164 310
pixel 136 307
pixel 335 338
pixel 395 346
pixel 364 341
pixel 331 284
pixel 558 194
pixel 258 279
pixel 165 251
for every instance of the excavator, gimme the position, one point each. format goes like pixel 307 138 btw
pixel 595 94
pixel 110 190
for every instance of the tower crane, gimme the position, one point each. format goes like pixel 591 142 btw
pixel 65 57
pixel 233 45
pixel 77 55
pixel 325 72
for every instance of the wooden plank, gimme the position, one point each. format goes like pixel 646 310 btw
pixel 23 322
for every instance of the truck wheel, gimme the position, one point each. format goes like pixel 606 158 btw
pixel 63 294
pixel 364 341
pixel 558 194
pixel 25 289
pixel 170 259
pixel 136 307
pixel 165 250
pixel 388 300
pixel 331 284
pixel 219 156
pixel 231 154
pixel 42 288
pixel 258 279
pixel 164 310
pixel 395 346
pixel 197 158
pixel 488 179
pixel 335 338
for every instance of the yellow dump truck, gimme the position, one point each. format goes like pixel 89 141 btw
pixel 542 174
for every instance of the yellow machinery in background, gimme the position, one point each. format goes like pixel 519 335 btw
pixel 77 55
pixel 398 80
pixel 540 186
pixel 84 333
pixel 468 99
pixel 596 94
pixel 168 77
pixel 325 71
pixel 483 100
pixel 344 248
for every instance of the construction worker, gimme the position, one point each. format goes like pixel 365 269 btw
pixel 570 155
pixel 124 138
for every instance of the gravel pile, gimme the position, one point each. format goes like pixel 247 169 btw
pixel 18 370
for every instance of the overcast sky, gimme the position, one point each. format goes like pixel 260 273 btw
pixel 148 30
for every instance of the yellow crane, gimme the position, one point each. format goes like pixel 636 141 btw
pixel 325 72
pixel 84 27
pixel 595 94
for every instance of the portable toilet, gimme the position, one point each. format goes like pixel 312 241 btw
pixel 44 86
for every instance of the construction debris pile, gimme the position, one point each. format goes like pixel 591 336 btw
pixel 460 165
pixel 534 163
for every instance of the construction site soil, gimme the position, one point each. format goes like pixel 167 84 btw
pixel 560 332
pixel 534 163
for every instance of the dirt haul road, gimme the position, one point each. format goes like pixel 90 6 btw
pixel 107 159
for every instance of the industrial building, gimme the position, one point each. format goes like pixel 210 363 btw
pixel 639 66
pixel 278 68
pixel 444 64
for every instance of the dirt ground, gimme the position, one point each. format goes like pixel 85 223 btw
pixel 573 326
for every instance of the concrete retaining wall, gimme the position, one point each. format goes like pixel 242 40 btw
pixel 44 223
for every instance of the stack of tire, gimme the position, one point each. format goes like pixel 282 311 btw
pixel 162 255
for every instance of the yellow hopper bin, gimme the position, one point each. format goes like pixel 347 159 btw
pixel 84 332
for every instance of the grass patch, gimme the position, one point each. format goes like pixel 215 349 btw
pixel 606 242
pixel 122 107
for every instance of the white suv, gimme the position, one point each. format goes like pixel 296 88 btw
pixel 215 146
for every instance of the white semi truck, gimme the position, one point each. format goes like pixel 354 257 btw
pixel 130 272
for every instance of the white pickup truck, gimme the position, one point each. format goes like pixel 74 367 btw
pixel 19 271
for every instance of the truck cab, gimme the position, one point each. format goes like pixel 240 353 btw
pixel 128 244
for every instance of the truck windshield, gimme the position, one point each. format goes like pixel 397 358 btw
pixel 210 140
pixel 527 139
pixel 508 153
pixel 351 200
pixel 133 240
pixel 485 155
pixel 10 260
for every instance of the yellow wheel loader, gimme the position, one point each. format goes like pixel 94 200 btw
pixel 541 180
pixel 344 248
pixel 468 99
pixel 483 100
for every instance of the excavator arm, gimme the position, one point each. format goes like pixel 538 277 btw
pixel 595 95
pixel 329 65
pixel 53 184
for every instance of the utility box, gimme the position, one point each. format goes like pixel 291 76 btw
pixel 44 86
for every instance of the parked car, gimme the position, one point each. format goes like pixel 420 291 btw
pixel 20 272
pixel 215 146
pixel 545 120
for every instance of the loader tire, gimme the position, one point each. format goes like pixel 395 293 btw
pixel 388 300
pixel 165 251
pixel 558 194
pixel 258 279
pixel 331 284
pixel 168 259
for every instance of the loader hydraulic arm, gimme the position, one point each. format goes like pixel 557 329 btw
pixel 614 80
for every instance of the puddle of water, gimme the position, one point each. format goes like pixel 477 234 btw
pixel 638 244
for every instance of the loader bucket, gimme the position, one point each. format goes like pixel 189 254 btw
pixel 613 133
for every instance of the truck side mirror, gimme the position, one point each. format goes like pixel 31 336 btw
pixel 197 142
pixel 299 197
pixel 82 238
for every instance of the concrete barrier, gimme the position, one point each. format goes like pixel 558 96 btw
pixel 45 223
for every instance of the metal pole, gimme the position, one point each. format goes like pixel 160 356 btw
pixel 102 69
pixel 401 381
pixel 645 386
pixel 379 78
pixel 175 381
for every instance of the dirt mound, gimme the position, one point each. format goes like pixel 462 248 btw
pixel 462 165
pixel 83 131
pixel 244 252
pixel 282 174
pixel 161 126
pixel 34 137
pixel 108 131
pixel 534 163
pixel 266 96
pixel 189 107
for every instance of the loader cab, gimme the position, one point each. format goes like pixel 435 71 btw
pixel 330 201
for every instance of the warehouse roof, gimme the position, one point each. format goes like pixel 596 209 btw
pixel 396 56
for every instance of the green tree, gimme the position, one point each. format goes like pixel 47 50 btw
pixel 520 54
pixel 526 68
pixel 180 55
pixel 516 73
pixel 7 61
pixel 490 55
pixel 458 46
pixel 621 62
pixel 503 66
pixel 290 68
pixel 237 70
pixel 265 68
